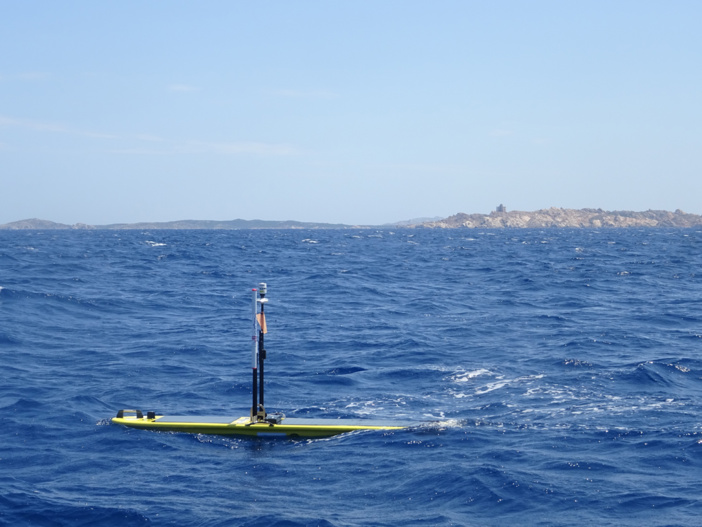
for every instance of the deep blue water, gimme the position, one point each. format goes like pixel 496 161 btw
pixel 558 374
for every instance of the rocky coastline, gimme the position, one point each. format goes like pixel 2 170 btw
pixel 567 218
pixel 498 219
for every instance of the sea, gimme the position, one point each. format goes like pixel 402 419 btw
pixel 552 376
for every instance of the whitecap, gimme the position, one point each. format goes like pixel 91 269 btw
pixel 432 416
pixel 465 377
pixel 492 386
pixel 444 423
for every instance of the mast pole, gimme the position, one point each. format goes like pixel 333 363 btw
pixel 263 289
pixel 254 364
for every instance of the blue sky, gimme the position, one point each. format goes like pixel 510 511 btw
pixel 361 112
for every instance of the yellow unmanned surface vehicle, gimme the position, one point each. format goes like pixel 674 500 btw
pixel 258 423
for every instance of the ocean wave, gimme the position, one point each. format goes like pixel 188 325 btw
pixel 547 380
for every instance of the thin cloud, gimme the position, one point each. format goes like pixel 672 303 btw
pixel 247 147
pixel 165 147
pixel 201 147
pixel 32 125
pixel 150 138
pixel 142 151
pixel 44 126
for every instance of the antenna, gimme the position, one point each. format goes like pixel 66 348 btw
pixel 262 290
pixel 254 364
pixel 258 411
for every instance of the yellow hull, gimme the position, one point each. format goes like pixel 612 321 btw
pixel 242 426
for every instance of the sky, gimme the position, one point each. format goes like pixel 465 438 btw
pixel 357 112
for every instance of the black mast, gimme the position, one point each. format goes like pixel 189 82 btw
pixel 261 349
pixel 258 411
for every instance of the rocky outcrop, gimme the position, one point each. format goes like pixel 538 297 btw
pixel 568 218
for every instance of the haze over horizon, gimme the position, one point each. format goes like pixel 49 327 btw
pixel 358 113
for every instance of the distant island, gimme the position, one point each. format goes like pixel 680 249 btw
pixel 181 224
pixel 567 218
pixel 498 219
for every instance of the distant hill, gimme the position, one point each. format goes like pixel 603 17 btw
pixel 413 222
pixel 182 224
pixel 567 218
pixel 500 218
pixel 227 225
pixel 41 225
